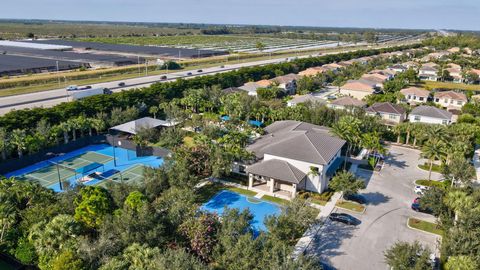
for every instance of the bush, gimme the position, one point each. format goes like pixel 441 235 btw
pixel 432 183
pixel 318 198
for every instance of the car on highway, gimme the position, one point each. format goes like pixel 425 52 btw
pixel 189 74
pixel 107 91
pixel 88 87
pixel 72 88
pixel 222 66
pixel 356 198
pixel 164 77
pixel 420 190
pixel 344 218
pixel 199 71
pixel 121 84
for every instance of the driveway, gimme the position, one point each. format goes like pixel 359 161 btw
pixel 389 194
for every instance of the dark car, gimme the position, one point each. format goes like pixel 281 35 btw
pixel 199 70
pixel 88 87
pixel 189 74
pixel 107 91
pixel 163 77
pixel 416 206
pixel 121 84
pixel 222 66
pixel 356 198
pixel 344 218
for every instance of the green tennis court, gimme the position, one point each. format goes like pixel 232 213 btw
pixel 130 175
pixel 66 169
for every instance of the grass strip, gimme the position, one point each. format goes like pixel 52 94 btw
pixel 352 206
pixel 425 226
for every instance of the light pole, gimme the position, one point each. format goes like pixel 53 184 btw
pixel 58 75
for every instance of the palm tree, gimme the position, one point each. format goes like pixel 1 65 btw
pixel 434 149
pixel 154 110
pixel 66 128
pixel 74 124
pixel 458 201
pixel 19 141
pixel 348 129
pixel 98 124
pixel 4 142
pixel 398 130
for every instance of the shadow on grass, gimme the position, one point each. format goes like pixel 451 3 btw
pixel 206 192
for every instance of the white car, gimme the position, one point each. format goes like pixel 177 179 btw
pixel 72 88
pixel 420 190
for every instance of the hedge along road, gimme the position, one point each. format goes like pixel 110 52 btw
pixel 53 97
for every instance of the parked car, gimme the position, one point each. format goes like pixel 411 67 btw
pixel 331 97
pixel 420 190
pixel 164 77
pixel 356 198
pixel 121 84
pixel 344 218
pixel 416 206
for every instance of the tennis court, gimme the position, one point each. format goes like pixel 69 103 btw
pixel 130 175
pixel 66 169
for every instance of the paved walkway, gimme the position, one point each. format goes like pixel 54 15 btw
pixel 307 238
pixel 259 195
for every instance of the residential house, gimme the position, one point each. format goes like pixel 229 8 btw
pixel 251 88
pixel 428 72
pixel 359 88
pixel 333 67
pixel 454 50
pixel 346 103
pixel 450 99
pixel 390 74
pixel 294 156
pixel 398 68
pixel 375 77
pixel 313 71
pixel 390 114
pixel 411 64
pixel 304 98
pixel 430 115
pixel 287 82
pixel 455 72
pixel 414 95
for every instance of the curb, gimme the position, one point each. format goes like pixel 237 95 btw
pixel 418 230
pixel 353 211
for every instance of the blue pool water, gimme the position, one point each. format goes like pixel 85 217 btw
pixel 259 208
pixel 125 160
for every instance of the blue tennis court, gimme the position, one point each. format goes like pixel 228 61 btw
pixel 91 165
pixel 259 208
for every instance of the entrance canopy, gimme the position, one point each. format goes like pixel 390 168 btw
pixel 133 127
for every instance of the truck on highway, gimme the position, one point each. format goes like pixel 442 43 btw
pixel 83 93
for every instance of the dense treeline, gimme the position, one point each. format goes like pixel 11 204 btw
pixel 462 41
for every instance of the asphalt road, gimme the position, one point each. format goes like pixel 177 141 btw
pixel 389 194
pixel 53 97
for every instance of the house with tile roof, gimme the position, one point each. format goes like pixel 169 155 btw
pixel 430 115
pixel 298 99
pixel 428 72
pixel 293 156
pixel 346 103
pixel 313 71
pixel 450 99
pixel 415 95
pixel 390 114
pixel 359 88
pixel 287 82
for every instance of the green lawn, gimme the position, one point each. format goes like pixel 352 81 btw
pixel 352 206
pixel 435 167
pixel 274 199
pixel 430 183
pixel 316 198
pixel 242 191
pixel 425 226
pixel 448 85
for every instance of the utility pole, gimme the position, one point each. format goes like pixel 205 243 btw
pixel 138 63
pixel 58 75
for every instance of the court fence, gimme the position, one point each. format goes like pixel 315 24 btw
pixel 48 153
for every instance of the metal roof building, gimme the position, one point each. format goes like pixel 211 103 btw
pixel 135 49
pixel 38 46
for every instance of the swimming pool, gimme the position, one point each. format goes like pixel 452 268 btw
pixel 127 164
pixel 259 208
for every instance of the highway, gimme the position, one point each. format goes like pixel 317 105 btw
pixel 53 97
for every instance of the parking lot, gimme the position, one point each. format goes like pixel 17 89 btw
pixel 389 194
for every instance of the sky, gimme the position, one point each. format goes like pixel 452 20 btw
pixel 413 14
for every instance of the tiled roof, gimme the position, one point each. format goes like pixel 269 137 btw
pixel 277 169
pixel 386 107
pixel 348 101
pixel 451 95
pixel 419 92
pixel 298 141
pixel 360 85
pixel 430 111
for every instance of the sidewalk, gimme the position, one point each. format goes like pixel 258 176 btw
pixel 304 242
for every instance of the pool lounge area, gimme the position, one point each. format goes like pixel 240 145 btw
pixel 105 164
pixel 258 207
